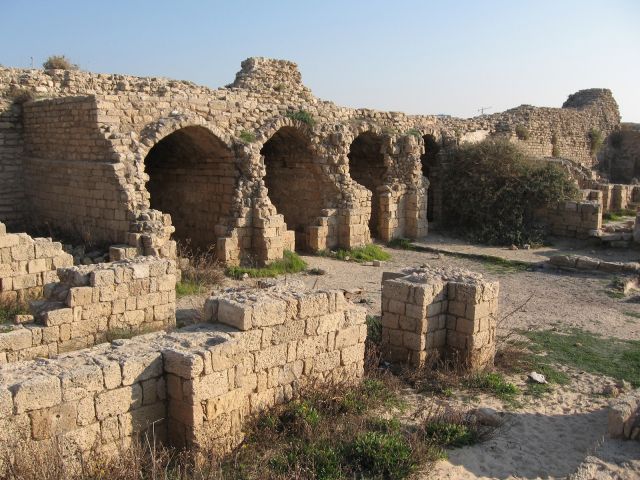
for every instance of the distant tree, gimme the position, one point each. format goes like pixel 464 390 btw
pixel 59 62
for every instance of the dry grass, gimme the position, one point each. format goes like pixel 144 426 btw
pixel 200 270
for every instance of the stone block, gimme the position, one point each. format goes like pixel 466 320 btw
pixel 118 401
pixel 36 393
pixel 235 314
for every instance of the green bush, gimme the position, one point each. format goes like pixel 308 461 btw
pixel 302 116
pixel 596 140
pixel 59 62
pixel 522 132
pixel 374 329
pixel 384 455
pixel 494 190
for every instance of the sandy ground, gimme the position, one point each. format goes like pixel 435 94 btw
pixel 563 434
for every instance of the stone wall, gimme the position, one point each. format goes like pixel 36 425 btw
pixel 432 314
pixel 195 387
pixel 113 126
pixel 28 264
pixel 573 219
pixel 90 304
pixel 621 156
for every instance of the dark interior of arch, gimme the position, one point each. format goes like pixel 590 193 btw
pixel 429 163
pixel 296 185
pixel 192 176
pixel 366 165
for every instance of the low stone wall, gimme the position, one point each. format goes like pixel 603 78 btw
pixel 581 262
pixel 27 264
pixel 624 416
pixel 573 219
pixel 92 302
pixel 194 387
pixel 430 314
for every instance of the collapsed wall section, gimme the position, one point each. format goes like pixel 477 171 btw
pixel 91 304
pixel 196 387
pixel 431 314
pixel 28 264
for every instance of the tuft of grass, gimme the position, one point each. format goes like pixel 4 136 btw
pixel 374 329
pixel 302 116
pixel 381 455
pixel 618 215
pixel 290 263
pixel 450 434
pixel 588 351
pixel 366 253
pixel 10 308
pixel 247 136
pixel 200 270
pixel 401 244
pixel 632 314
pixel 495 384
pixel 414 132
pixel 500 265
pixel 189 287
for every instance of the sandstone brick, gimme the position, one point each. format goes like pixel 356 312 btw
pixel 37 392
pixel 120 400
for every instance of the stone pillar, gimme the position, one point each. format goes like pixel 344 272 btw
pixel 433 314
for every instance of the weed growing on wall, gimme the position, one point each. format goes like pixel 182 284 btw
pixel 493 190
pixel 596 139
pixel 302 116
pixel 247 137
pixel 522 132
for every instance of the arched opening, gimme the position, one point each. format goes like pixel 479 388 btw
pixel 192 176
pixel 366 166
pixel 429 166
pixel 296 186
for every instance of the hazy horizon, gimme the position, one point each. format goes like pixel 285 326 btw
pixel 409 56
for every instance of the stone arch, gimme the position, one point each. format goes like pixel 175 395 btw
pixel 296 183
pixel 192 175
pixel 367 167
pixel 429 161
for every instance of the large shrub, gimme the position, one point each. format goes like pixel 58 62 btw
pixel 492 190
pixel 59 62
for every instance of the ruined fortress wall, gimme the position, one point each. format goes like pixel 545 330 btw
pixel 90 304
pixel 120 121
pixel 28 264
pixel 11 166
pixel 195 387
pixel 71 179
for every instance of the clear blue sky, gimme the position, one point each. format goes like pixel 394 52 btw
pixel 409 55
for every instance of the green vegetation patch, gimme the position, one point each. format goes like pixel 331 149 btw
pixel 338 433
pixel 247 136
pixel 9 309
pixel 189 287
pixel 618 215
pixel 367 253
pixel 588 351
pixel 290 263
pixel 495 384
pixel 401 244
pixel 493 191
pixel 302 116
pixel 450 434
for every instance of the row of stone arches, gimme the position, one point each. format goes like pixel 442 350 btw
pixel 193 175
